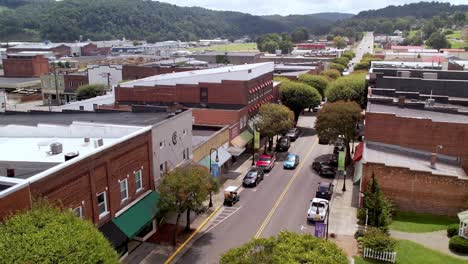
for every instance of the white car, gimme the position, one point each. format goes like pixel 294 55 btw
pixel 318 210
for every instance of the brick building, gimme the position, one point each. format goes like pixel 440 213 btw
pixel 57 49
pixel 67 84
pixel 134 72
pixel 236 58
pixel 25 64
pixel 218 96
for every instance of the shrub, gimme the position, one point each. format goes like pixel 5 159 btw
pixel 377 239
pixel 359 233
pixel 336 66
pixel 89 91
pixel 341 60
pixel 459 244
pixel 331 73
pixel 452 230
pixel 349 54
pixel 318 82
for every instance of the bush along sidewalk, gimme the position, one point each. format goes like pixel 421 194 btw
pixel 452 230
pixel 458 244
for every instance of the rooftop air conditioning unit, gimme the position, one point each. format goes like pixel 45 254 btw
pixel 55 148
pixel 430 102
pixel 98 143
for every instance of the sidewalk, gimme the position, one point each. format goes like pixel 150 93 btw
pixel 343 214
pixel 159 253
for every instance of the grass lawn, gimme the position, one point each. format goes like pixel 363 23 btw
pixel 420 223
pixel 455 34
pixel 229 47
pixel 458 45
pixel 412 253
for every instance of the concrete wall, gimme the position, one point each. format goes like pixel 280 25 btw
pixel 97 74
pixel 165 152
pixel 417 191
pixel 451 75
pixel 218 139
pixel 418 133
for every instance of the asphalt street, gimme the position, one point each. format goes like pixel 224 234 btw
pixel 365 46
pixel 280 202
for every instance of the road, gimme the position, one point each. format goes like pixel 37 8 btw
pixel 279 203
pixel 365 46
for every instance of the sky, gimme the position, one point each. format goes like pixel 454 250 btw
pixel 287 7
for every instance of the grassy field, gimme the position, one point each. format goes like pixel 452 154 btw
pixel 420 223
pixel 455 34
pixel 458 44
pixel 229 47
pixel 412 253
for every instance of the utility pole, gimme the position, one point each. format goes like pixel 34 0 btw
pixel 56 85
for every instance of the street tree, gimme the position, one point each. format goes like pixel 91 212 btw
pixel 287 247
pixel 352 87
pixel 46 234
pixel 300 35
pixel 338 119
pixel 331 74
pixel 340 42
pixel 375 207
pixel 319 82
pixel 298 96
pixel 341 60
pixel 185 189
pixel 437 40
pixel 337 66
pixel 349 54
pixel 274 119
pixel 89 91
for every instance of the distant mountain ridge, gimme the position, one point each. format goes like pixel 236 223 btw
pixel 417 10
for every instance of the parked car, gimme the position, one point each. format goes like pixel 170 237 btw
pixel 291 161
pixel 318 210
pixel 324 190
pixel 253 177
pixel 293 134
pixel 283 144
pixel 317 165
pixel 266 162
pixel 327 171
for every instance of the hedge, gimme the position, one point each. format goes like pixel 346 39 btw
pixel 459 244
pixel 452 230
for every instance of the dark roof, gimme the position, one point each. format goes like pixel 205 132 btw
pixel 64 118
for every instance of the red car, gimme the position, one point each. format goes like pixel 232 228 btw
pixel 266 162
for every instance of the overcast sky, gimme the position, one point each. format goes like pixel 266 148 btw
pixel 286 7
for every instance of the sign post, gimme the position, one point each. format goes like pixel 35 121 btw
pixel 320 229
pixel 215 170
pixel 256 139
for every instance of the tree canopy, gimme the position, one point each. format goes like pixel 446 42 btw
pixel 352 87
pixel 288 247
pixel 319 82
pixel 332 74
pixel 89 91
pixel 185 189
pixel 338 118
pixel 272 42
pixel 437 40
pixel 300 35
pixel 274 119
pixel 49 235
pixel 340 42
pixel 298 96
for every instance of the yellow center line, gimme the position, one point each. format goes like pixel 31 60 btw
pixel 270 215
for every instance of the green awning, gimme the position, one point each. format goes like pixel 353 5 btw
pixel 241 140
pixel 132 221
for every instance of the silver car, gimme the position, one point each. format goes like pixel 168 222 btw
pixel 318 210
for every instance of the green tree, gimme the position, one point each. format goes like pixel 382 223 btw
pixel 352 87
pixel 297 96
pixel 428 29
pixel 89 91
pixel 288 247
pixel 300 35
pixel 331 74
pixel 285 46
pixel 349 54
pixel 319 82
pixel 375 206
pixel 185 189
pixel 341 60
pixel 270 46
pixel 437 40
pixel 274 119
pixel 338 119
pixel 340 42
pixel 336 66
pixel 46 234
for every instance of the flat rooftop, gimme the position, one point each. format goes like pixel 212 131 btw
pixel 415 160
pixel 201 134
pixel 243 72
pixel 417 113
pixel 59 118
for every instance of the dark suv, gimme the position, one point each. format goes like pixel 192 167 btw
pixel 283 144
pixel 253 177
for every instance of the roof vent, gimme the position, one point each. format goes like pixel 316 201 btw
pixel 10 173
pixel 55 148
pixel 98 143
pixel 71 155
pixel 86 140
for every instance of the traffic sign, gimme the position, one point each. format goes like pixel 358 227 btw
pixel 320 229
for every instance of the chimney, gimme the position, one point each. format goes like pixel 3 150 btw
pixel 10 173
pixel 401 101
pixel 433 160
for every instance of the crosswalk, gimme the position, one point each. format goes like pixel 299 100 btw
pixel 225 213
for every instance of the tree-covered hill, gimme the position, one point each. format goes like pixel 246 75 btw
pixel 67 20
pixel 416 10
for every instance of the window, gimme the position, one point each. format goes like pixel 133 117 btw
pixel 184 131
pixel 161 168
pixel 203 95
pixel 138 180
pixel 123 190
pixel 102 204
pixel 78 211
pixel 161 144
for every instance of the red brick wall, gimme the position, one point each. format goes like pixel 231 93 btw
pixel 216 116
pixel 26 67
pixel 72 82
pixel 62 51
pixel 418 133
pixel 417 191
pixel 88 50
pixel 133 72
pixel 15 201
pixel 81 182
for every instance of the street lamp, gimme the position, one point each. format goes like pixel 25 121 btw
pixel 344 181
pixel 216 160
